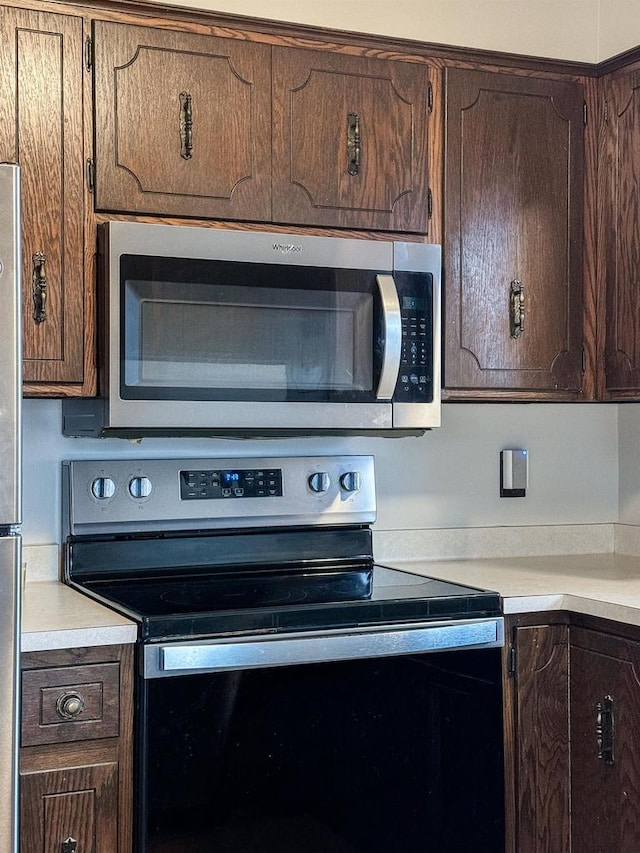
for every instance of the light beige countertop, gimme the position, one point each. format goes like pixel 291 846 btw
pixel 54 616
pixel 605 585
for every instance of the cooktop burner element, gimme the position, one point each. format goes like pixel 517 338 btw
pixel 228 547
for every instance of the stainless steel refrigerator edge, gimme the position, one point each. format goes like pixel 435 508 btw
pixel 10 500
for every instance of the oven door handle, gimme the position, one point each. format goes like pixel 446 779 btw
pixel 392 322
pixel 253 653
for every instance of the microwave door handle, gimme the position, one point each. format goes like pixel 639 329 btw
pixel 392 324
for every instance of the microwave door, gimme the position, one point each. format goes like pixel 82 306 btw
pixel 392 325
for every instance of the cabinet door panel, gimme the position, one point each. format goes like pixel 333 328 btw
pixel 80 803
pixel 513 214
pixel 605 792
pixel 620 167
pixel 183 123
pixel 542 739
pixel 41 96
pixel 321 102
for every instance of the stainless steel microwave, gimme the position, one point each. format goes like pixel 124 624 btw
pixel 240 332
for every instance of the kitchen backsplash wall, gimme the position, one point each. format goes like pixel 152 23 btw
pixel 629 464
pixel 447 478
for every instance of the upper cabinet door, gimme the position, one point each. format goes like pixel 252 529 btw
pixel 620 183
pixel 41 129
pixel 513 236
pixel 350 141
pixel 183 123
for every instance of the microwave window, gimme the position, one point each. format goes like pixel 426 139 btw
pixel 232 337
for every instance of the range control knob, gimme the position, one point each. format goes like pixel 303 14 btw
pixel 351 481
pixel 103 488
pixel 140 487
pixel 319 482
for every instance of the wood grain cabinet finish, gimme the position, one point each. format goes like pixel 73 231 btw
pixel 76 750
pixel 41 128
pixel 70 703
pixel 72 804
pixel 513 236
pixel 538 810
pixel 349 141
pixel 605 733
pixel 183 123
pixel 620 207
pixel 572 728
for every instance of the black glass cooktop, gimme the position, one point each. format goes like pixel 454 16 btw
pixel 296 601
pixel 183 586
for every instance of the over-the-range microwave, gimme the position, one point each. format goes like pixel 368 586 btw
pixel 243 332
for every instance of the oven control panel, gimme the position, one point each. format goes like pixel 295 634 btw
pixel 236 483
pixel 136 495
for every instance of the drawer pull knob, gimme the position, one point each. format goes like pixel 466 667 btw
pixel 69 846
pixel 69 706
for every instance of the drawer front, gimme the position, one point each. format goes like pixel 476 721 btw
pixel 70 703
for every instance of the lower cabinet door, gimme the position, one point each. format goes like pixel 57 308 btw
pixel 72 810
pixel 605 732
pixel 541 738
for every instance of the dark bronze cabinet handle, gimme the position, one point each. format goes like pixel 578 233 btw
pixel 70 705
pixel 605 729
pixel 39 287
pixel 186 126
pixel 69 846
pixel 516 308
pixel 353 143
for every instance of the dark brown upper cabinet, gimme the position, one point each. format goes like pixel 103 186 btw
pixel 41 128
pixel 620 187
pixel 513 236
pixel 350 141
pixel 183 123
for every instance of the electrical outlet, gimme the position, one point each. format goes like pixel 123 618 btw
pixel 514 473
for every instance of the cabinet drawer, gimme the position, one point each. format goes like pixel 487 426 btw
pixel 70 703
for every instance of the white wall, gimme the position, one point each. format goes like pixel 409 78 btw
pixel 629 463
pixel 446 478
pixel 618 27
pixel 577 30
pixel 566 29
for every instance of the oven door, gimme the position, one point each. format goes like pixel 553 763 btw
pixel 204 324
pixel 401 751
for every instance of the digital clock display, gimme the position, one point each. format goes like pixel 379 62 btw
pixel 413 303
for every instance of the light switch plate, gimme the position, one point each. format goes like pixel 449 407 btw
pixel 514 473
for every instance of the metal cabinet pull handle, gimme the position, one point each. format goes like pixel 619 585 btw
pixel 69 846
pixel 39 287
pixel 353 143
pixel 516 308
pixel 604 729
pixel 70 705
pixel 186 126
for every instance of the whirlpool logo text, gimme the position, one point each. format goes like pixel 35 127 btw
pixel 286 248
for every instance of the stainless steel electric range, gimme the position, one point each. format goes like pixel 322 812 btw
pixel 280 669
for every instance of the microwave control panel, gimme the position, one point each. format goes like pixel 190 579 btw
pixel 415 378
